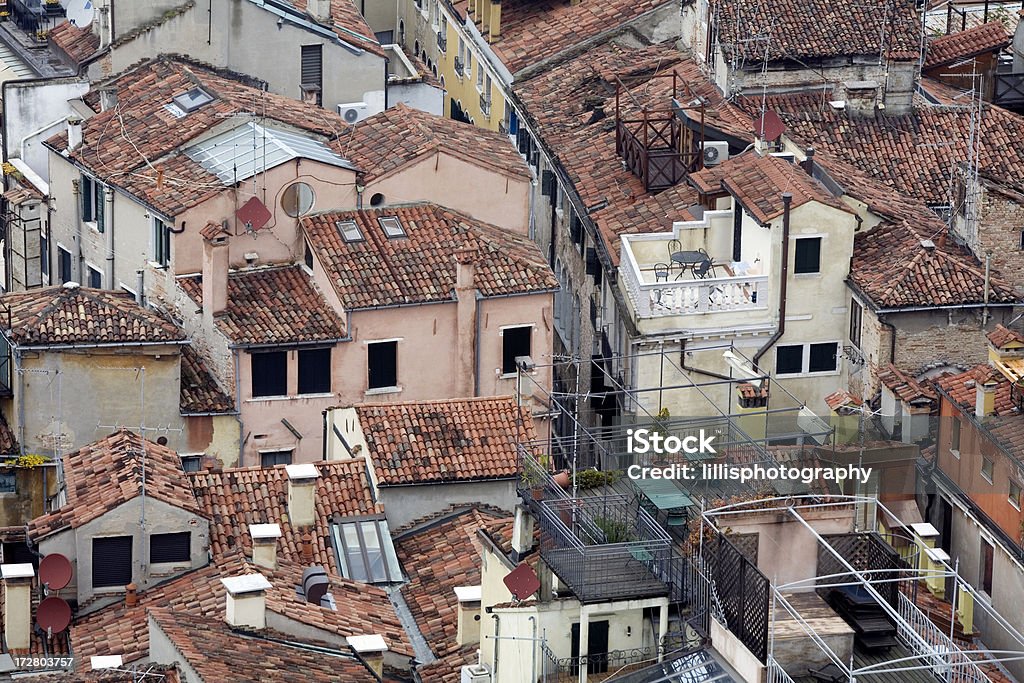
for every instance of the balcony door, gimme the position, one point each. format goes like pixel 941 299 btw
pixel 597 646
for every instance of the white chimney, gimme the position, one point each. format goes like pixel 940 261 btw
pixel 319 10
pixel 522 533
pixel 264 544
pixel 215 277
pixel 74 132
pixel 370 649
pixel 17 604
pixel 302 494
pixel 468 632
pixel 985 398
pixel 246 600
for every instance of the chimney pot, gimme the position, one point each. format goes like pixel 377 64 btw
pixel 302 483
pixel 74 132
pixel 131 595
pixel 246 605
pixel 307 548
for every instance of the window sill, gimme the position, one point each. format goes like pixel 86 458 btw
pixel 806 276
pixel 259 399
pixel 955 452
pixel 380 391
pixel 322 394
pixel 812 375
pixel 1013 504
pixel 108 590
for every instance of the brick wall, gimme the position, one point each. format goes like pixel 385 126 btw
pixel 999 231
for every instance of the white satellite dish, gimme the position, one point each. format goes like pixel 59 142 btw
pixel 80 12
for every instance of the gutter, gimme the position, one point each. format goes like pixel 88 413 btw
pixel 292 345
pixel 787 200
pixel 476 345
pixel 117 345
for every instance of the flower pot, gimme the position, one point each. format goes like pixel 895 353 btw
pixel 538 493
pixel 563 479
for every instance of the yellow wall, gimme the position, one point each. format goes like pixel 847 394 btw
pixel 463 89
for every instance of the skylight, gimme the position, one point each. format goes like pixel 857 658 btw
pixel 349 231
pixel 365 551
pixel 392 226
pixel 193 99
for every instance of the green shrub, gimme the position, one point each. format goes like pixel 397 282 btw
pixel 589 479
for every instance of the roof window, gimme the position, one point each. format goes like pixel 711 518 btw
pixel 392 226
pixel 349 231
pixel 193 99
pixel 365 551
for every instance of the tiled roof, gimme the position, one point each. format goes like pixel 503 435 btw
pixel 136 145
pixel 905 387
pixel 439 557
pixel 361 609
pixel 912 153
pixel 1001 336
pixel 418 268
pixel 974 41
pixel 8 441
pixel 158 673
pixel 348 24
pixel 108 472
pixel 758 182
pixel 200 392
pixel 62 315
pixel 580 129
pixel 216 652
pixel 77 43
pixel 400 135
pixel 454 440
pixel 809 29
pixel 532 32
pixel 962 388
pixel 272 305
pixel 235 498
pixel 842 399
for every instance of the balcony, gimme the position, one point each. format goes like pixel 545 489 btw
pixel 485 105
pixel 442 42
pixel 458 67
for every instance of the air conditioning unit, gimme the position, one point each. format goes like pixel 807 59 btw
pixel 715 153
pixel 353 112
pixel 476 673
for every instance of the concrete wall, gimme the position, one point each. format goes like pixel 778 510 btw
pixel 216 435
pixel 407 503
pixel 422 96
pixel 35 111
pixel 736 654
pixel 81 395
pixel 130 15
pixel 124 520
pixel 33 486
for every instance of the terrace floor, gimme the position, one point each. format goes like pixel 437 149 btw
pixel 604 579
pixel 862 659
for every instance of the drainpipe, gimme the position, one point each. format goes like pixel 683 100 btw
pixel 108 217
pixel 140 282
pixel 21 403
pixel 497 644
pixel 323 414
pixel 533 650
pixel 787 199
pixel 76 190
pixel 476 353
pixel 988 272
pixel 238 402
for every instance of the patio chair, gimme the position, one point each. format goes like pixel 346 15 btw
pixel 661 271
pixel 702 269
pixel 673 247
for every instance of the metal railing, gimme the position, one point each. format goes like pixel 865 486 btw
pixel 688 297
pixel 776 674
pixel 485 105
pixel 442 42
pixel 458 67
pixel 948 661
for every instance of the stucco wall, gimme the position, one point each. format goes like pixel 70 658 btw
pixel 33 112
pixel 403 504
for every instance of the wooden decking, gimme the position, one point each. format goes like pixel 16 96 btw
pixel 862 659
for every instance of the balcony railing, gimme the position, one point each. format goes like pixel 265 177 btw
pixel 485 105
pixel 442 42
pixel 687 297
pixel 458 67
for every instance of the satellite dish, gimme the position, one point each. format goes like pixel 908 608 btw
pixel 55 571
pixel 522 582
pixel 53 615
pixel 80 12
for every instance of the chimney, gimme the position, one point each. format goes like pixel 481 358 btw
pixel 371 650
pixel 307 548
pixel 17 604
pixel 108 98
pixel 468 632
pixel 465 320
pixel 131 595
pixel 246 601
pixel 302 494
pixel 264 544
pixel 985 397
pixel 522 534
pixel 861 97
pixel 319 10
pixel 494 25
pixel 74 132
pixel 215 277
pixel 809 161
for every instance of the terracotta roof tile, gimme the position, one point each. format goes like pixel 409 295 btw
pixel 8 441
pixel 77 43
pixel 235 498
pixel 137 146
pixel 905 387
pixel 978 40
pixel 454 440
pixel 962 389
pixel 397 136
pixel 1001 336
pixel 200 392
pixel 348 24
pixel 108 472
pixel 842 399
pixel 420 267
pixel 78 315
pixel 272 305
pixel 802 29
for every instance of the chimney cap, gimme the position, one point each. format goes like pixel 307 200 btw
pixel 928 244
pixel 264 531
pixel 367 643
pixel 97 662
pixel 17 571
pixel 247 583
pixel 300 472
pixel 468 593
pixel 74 119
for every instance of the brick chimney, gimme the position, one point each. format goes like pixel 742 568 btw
pixel 370 649
pixel 74 132
pixel 246 605
pixel 17 604
pixel 131 595
pixel 215 277
pixel 264 544
pixel 861 97
pixel 468 632
pixel 302 481
pixel 465 317
pixel 985 397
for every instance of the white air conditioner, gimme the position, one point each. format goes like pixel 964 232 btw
pixel 715 153
pixel 476 673
pixel 353 112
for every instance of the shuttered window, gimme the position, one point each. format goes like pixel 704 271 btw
pixel 313 69
pixel 111 561
pixel 170 547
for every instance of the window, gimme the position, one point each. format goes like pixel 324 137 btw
pixel 312 70
pixel 63 265
pixel 192 100
pixel 986 468
pixel 307 255
pixel 469 63
pixel 92 201
pixel 365 551
pixel 161 243
pixel 269 373
pixel 191 463
pixel 954 439
pixel 806 358
pixel 111 561
pixel 987 560
pixel 392 226
pixel 1014 496
pixel 515 341
pixel 479 78
pixel 315 371
pixel 275 458
pixel 8 482
pixel 1020 245
pixel 808 255
pixel 382 364
pixel 856 314
pixel 170 547
pixel 95 278
pixel 44 255
pixel 460 60
pixel 350 232
pixel 298 199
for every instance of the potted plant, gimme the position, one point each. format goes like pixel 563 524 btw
pixel 534 481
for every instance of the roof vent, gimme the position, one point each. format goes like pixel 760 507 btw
pixel 928 244
pixel 193 99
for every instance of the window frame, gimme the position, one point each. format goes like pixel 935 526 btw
pixel 856 323
pixel 61 251
pixel 279 455
pixel 161 236
pixel 307 353
pixel 987 569
pixel 345 553
pixel 805 362
pixel 94 277
pixel 954 437
pixel 988 468
pixel 92 198
pixel 1012 499
pixel 186 557
pixel 510 333
pixel 797 241
pixel 377 347
pixel 264 355
pixel 11 476
pixel 131 557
